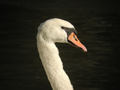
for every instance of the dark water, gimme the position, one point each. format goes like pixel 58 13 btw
pixel 98 27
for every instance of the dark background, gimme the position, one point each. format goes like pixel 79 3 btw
pixel 97 22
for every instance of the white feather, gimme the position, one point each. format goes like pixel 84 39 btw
pixel 50 32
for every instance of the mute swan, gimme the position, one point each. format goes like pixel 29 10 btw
pixel 49 32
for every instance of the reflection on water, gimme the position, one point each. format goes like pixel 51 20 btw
pixel 20 64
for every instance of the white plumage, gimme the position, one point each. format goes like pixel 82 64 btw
pixel 50 32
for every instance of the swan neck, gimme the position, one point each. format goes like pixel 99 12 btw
pixel 53 66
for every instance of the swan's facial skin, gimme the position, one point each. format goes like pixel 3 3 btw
pixel 57 30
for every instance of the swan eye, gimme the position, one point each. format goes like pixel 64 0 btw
pixel 63 27
pixel 69 30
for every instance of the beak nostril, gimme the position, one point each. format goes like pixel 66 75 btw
pixel 74 37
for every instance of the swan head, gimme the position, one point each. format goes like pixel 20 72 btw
pixel 58 30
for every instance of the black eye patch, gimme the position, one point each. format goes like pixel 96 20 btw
pixel 69 30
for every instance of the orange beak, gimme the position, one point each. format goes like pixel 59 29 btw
pixel 74 40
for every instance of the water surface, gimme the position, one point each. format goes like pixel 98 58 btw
pixel 98 30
